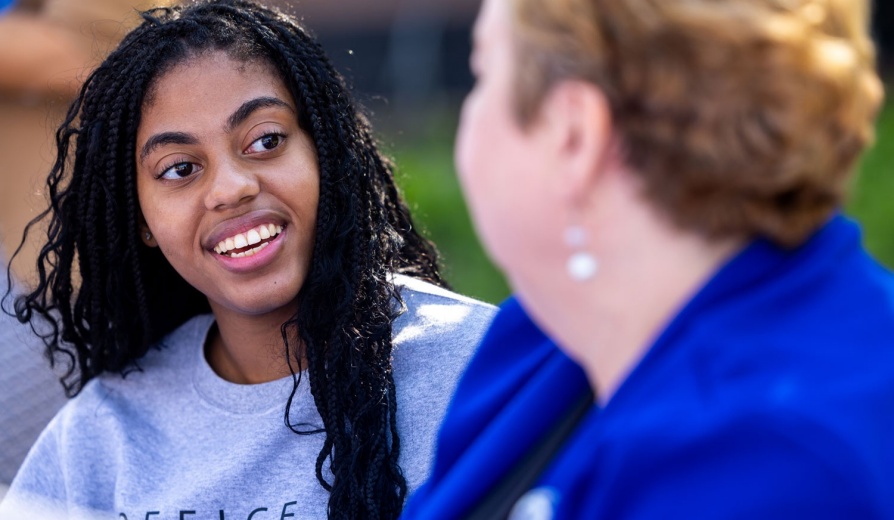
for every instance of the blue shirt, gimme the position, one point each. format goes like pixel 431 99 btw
pixel 770 395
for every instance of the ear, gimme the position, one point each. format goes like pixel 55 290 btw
pixel 146 234
pixel 579 118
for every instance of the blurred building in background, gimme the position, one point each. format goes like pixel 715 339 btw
pixel 403 58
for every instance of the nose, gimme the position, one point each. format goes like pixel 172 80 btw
pixel 230 185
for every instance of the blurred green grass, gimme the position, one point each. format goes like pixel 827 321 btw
pixel 872 195
pixel 427 176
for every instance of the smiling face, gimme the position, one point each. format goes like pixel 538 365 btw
pixel 228 183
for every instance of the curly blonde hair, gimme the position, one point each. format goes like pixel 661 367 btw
pixel 742 117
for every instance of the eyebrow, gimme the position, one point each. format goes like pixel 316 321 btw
pixel 165 138
pixel 238 117
pixel 249 107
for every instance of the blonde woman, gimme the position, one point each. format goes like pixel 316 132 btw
pixel 660 182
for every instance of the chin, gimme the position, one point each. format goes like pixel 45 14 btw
pixel 264 305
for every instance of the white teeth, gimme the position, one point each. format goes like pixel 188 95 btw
pixel 250 251
pixel 249 238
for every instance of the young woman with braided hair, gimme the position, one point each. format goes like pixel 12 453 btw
pixel 224 241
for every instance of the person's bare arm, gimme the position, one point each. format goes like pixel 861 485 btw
pixel 40 57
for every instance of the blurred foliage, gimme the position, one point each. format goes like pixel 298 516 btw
pixel 428 180
pixel 426 175
pixel 872 195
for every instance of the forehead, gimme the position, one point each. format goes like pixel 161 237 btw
pixel 492 22
pixel 232 76
pixel 205 90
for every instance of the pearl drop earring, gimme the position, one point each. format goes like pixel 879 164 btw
pixel 148 236
pixel 581 265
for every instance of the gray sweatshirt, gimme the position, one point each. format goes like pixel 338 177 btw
pixel 175 441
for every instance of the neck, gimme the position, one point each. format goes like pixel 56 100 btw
pixel 248 349
pixel 648 270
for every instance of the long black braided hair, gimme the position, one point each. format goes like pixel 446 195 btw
pixel 107 298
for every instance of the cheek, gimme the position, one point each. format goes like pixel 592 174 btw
pixel 168 225
pixel 480 149
pixel 172 242
pixel 465 138
pixel 298 187
pixel 477 150
pixel 308 221
pixel 148 204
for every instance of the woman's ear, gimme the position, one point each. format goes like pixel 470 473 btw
pixel 581 123
pixel 146 234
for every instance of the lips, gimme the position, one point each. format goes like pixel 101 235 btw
pixel 249 242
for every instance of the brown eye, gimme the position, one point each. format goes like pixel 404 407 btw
pixel 270 141
pixel 178 171
pixel 266 143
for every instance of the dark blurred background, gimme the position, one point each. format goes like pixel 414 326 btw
pixel 407 63
pixel 883 29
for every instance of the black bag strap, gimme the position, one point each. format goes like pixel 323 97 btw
pixel 498 502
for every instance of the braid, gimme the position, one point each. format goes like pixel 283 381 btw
pixel 342 325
